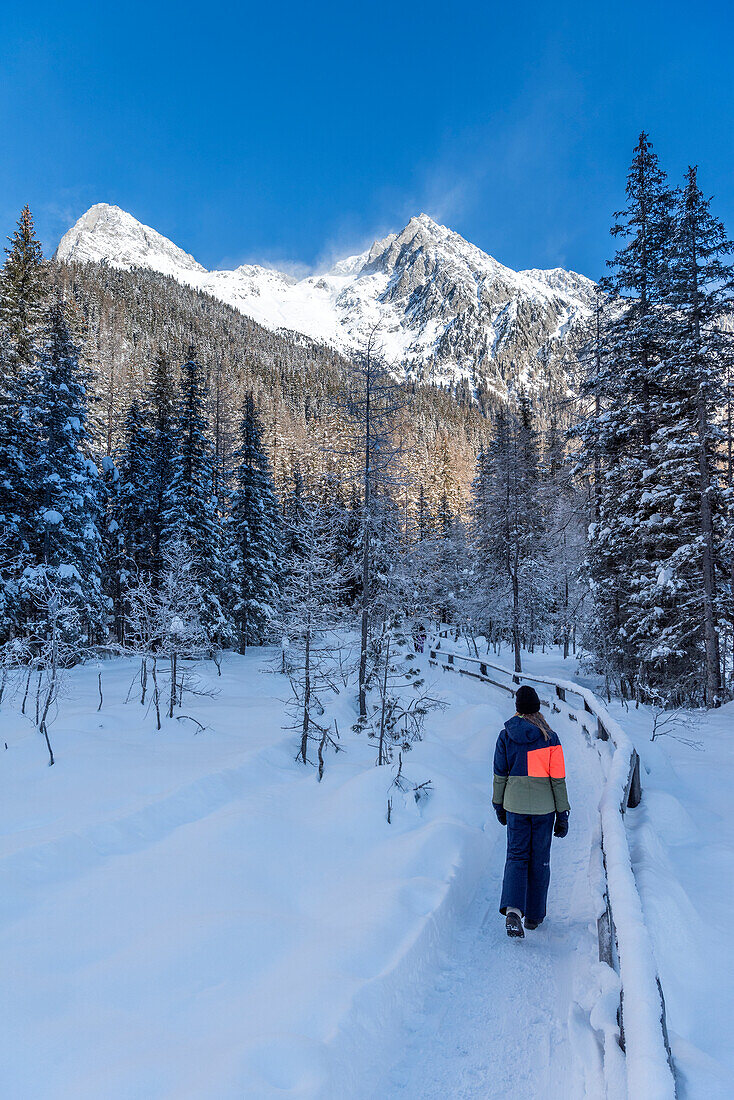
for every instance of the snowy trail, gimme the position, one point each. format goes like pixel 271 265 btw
pixel 502 1016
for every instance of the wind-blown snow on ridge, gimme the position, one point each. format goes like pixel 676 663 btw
pixel 445 310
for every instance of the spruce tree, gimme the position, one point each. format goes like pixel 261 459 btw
pixel 627 411
pixel 190 508
pixel 114 562
pixel 65 539
pixel 16 490
pixel 255 535
pixel 688 485
pixel 17 447
pixel 23 293
pixel 135 506
pixel 164 427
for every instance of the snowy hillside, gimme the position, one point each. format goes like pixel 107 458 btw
pixel 445 310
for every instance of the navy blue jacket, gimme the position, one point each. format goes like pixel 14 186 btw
pixel 529 770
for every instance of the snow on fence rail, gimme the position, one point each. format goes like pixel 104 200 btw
pixel 624 942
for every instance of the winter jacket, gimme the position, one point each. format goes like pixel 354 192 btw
pixel 529 772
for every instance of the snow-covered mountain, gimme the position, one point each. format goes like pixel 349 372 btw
pixel 106 234
pixel 445 310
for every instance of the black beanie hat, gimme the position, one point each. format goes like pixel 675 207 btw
pixel 526 700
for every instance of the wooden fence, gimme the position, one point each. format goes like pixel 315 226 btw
pixel 648 1070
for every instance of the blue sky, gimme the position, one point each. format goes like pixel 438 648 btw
pixel 287 132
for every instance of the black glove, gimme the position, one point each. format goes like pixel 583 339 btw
pixel 501 813
pixel 561 826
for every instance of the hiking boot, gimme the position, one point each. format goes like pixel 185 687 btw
pixel 513 924
pixel 531 925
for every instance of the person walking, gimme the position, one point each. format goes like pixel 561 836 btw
pixel 530 798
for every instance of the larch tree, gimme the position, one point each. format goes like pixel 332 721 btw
pixel 307 618
pixel 375 402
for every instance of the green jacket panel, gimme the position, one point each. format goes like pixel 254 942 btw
pixel 527 794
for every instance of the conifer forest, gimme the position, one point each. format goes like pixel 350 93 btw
pixel 149 431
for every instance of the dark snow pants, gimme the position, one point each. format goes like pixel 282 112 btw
pixel 527 868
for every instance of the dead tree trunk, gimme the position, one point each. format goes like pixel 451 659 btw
pixel 172 703
pixel 364 639
pixel 303 753
pixel 381 756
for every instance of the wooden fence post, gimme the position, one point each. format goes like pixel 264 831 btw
pixel 634 791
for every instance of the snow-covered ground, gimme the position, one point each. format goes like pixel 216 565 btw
pixel 193 915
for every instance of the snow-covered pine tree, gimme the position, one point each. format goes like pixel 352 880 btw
pixel 423 519
pixel 162 403
pixel 691 499
pixel 114 564
pixel 508 527
pixel 224 419
pixel 16 490
pixel 489 611
pixel 593 381
pixel 254 528
pixel 619 431
pixel 65 539
pixel 23 293
pixel 443 573
pixel 480 510
pixel 190 507
pixel 135 498
pixel 347 520
pixel 530 529
pixel 132 519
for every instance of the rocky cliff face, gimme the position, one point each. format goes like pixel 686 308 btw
pixel 445 312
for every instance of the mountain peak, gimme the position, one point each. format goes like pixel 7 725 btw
pixel 446 309
pixel 108 234
pixel 426 222
pixel 424 227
